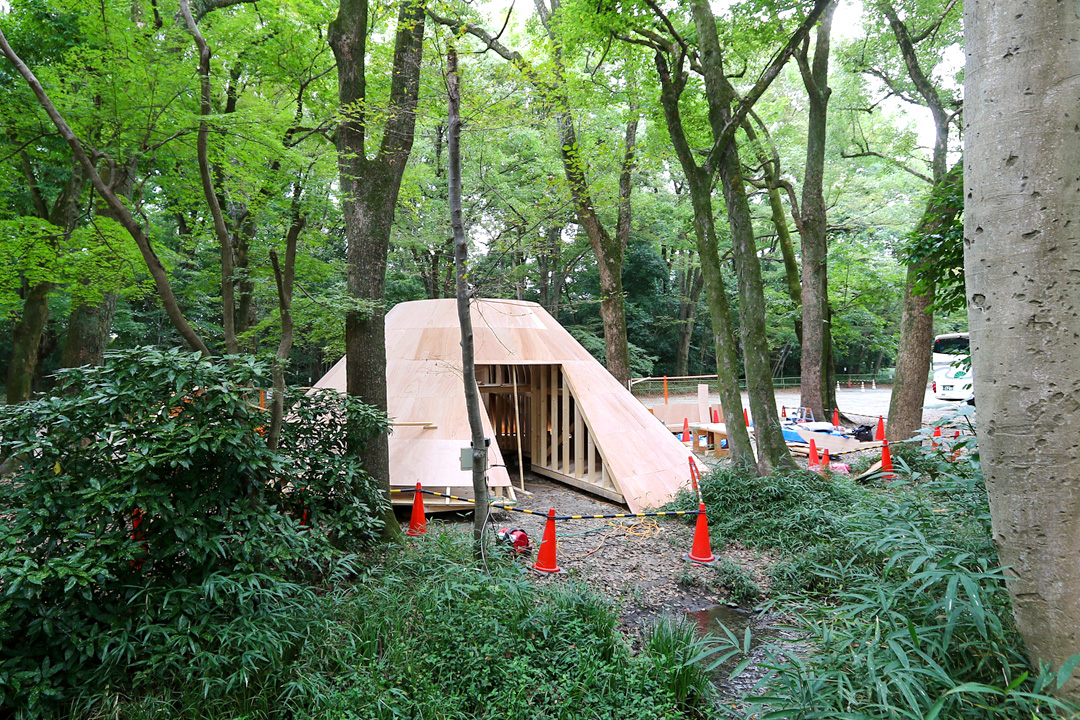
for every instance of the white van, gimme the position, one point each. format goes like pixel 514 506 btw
pixel 949 349
pixel 952 372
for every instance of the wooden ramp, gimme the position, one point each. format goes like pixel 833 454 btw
pixel 542 391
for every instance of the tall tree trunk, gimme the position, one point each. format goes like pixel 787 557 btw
pixel 917 320
pixel 1022 101
pixel 772 450
pixel 815 246
pixel 727 361
pixel 916 336
pixel 773 182
pixel 369 194
pixel 27 342
pixel 688 302
pixel 90 325
pixel 461 258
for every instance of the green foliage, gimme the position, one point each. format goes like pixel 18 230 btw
pixel 429 634
pixel 321 439
pixel 738 582
pixel 145 541
pixel 786 511
pixel 917 621
pixel 674 646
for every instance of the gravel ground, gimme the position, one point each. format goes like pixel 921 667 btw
pixel 637 562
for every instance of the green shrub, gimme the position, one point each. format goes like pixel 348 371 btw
pixel 145 541
pixel 916 621
pixel 738 582
pixel 786 511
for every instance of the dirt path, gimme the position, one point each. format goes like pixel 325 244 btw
pixel 636 562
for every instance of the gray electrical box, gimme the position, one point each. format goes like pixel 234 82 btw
pixel 466 456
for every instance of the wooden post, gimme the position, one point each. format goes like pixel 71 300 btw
pixel 579 442
pixel 565 423
pixel 545 421
pixel 517 430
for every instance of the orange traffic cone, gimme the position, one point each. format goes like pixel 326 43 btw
pixel 715 416
pixel 825 460
pixel 933 438
pixel 685 430
pixel 880 434
pixel 545 559
pixel 701 551
pixel 783 411
pixel 886 460
pixel 836 417
pixel 746 416
pixel 813 454
pixel 417 523
pixel 956 447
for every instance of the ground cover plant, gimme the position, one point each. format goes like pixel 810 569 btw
pixel 896 590
pixel 158 560
pixel 148 538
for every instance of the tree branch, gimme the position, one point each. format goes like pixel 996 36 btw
pixel 153 263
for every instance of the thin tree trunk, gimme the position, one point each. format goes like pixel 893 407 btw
pixel 228 295
pixel 772 449
pixel 461 259
pixel 779 219
pixel 687 312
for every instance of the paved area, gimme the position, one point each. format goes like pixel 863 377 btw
pixel 857 403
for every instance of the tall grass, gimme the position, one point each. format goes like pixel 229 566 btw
pixel 900 602
pixel 428 634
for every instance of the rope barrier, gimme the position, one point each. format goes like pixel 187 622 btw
pixel 542 513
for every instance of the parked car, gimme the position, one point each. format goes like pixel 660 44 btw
pixel 953 383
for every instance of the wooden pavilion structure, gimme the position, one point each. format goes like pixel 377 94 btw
pixel 547 400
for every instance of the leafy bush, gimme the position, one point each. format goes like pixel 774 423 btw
pixel 917 621
pixel 144 539
pixel 429 634
pixel 738 582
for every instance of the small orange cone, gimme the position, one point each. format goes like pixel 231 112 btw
pixel 836 417
pixel 685 430
pixel 886 460
pixel 545 559
pixel 880 434
pixel 783 411
pixel 956 447
pixel 715 416
pixel 701 551
pixel 825 460
pixel 417 523
pixel 813 453
pixel 746 416
pixel 933 441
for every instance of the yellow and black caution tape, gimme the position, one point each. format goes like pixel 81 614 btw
pixel 496 504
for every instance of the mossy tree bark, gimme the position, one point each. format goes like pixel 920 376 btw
pixel 369 188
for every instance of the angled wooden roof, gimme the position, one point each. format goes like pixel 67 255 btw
pixel 424 385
